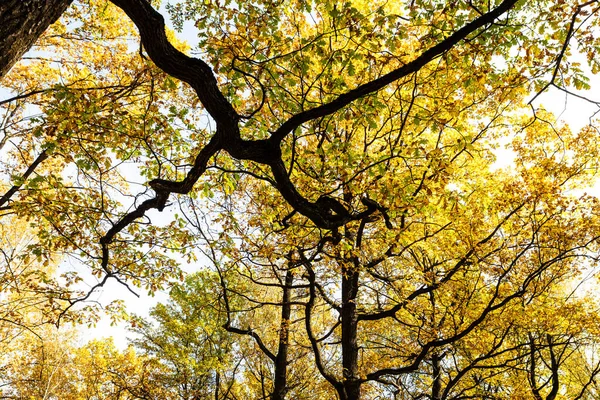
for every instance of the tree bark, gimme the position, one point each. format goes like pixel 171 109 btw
pixel 351 383
pixel 23 21
pixel 280 387
pixel 436 387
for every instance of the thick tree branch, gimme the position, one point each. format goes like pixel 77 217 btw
pixel 326 212
pixel 193 71
pixel 379 83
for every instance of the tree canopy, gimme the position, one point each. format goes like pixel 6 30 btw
pixel 331 172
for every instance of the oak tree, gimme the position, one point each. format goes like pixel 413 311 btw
pixel 337 160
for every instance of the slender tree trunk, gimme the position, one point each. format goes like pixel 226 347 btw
pixel 23 21
pixel 351 383
pixel 532 366
pixel 217 384
pixel 554 369
pixel 280 387
pixel 436 387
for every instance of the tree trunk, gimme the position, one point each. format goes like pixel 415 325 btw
pixel 280 386
pixel 436 387
pixel 22 22
pixel 217 383
pixel 351 384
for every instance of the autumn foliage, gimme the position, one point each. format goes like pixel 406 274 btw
pixel 333 178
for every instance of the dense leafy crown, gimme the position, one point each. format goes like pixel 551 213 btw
pixel 332 167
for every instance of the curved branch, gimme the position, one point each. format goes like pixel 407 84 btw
pixel 326 212
pixel 379 83
pixel 309 329
pixel 229 328
pixel 193 71
pixel 491 307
